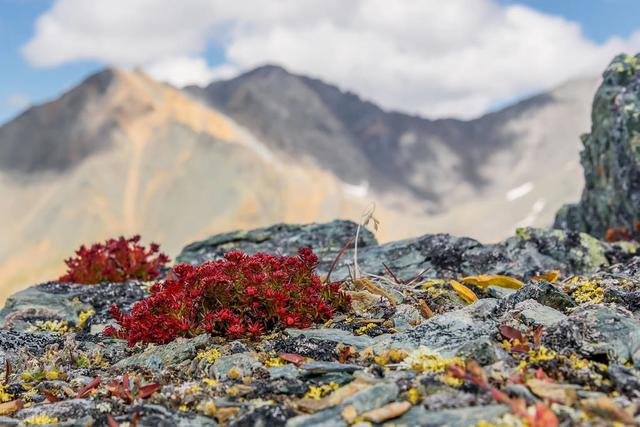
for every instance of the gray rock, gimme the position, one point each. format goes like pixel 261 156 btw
pixel 316 368
pixel 325 239
pixel 286 371
pixel 534 314
pixel 365 400
pixel 64 301
pixel 626 380
pixel 447 333
pixel 484 350
pixel 360 342
pixel 12 342
pixel 499 292
pixel 541 291
pixel 156 415
pixel 406 316
pixel 598 332
pixel 610 159
pixel 462 417
pixel 66 410
pixel 244 362
pixel 530 252
pixel 161 356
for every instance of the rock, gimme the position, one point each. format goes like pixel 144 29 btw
pixel 363 401
pixel 406 316
pixel 447 333
pixel 626 380
pixel 162 356
pixel 325 239
pixel 610 159
pixel 541 291
pixel 598 332
pixel 419 416
pixel 317 368
pixel 156 415
pixel 286 371
pixel 317 349
pixel 531 252
pixel 64 301
pixel 77 410
pixel 483 350
pixel 12 342
pixel 499 292
pixel 265 416
pixel 360 342
pixel 245 363
pixel 534 314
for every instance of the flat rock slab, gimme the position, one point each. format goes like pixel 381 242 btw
pixel 162 356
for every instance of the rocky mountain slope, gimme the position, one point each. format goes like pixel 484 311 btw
pixel 541 329
pixel 442 163
pixel 123 154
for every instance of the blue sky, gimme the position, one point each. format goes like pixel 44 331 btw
pixel 24 82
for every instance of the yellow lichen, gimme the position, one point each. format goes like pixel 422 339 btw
pixel 413 395
pixel 183 408
pixel 427 360
pixel 274 361
pixel 83 317
pixel 4 396
pixel 210 355
pixel 587 292
pixel 390 356
pixel 542 354
pixel 210 382
pixel 318 392
pixel 57 326
pixel 40 420
pixel 363 329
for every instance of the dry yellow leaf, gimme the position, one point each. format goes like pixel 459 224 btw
pixel 484 280
pixel 465 293
pixel 9 408
pixel 387 412
pixel 550 276
pixel 561 393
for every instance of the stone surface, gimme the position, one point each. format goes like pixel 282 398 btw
pixel 610 159
pixel 162 356
pixel 598 332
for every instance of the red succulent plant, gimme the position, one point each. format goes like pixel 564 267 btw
pixel 239 296
pixel 115 260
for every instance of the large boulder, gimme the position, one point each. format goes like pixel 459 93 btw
pixel 611 158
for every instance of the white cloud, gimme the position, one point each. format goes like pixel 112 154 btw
pixel 438 58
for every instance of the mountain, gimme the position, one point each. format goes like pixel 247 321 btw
pixel 441 163
pixel 124 154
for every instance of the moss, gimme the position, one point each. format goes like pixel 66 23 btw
pixel 523 233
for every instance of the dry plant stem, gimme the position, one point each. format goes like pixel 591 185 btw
pixel 335 260
pixel 368 216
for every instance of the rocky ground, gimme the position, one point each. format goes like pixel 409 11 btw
pixel 540 330
pixel 572 345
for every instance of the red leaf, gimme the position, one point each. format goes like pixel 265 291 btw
pixel 545 417
pixel 296 359
pixel 500 397
pixel 147 390
pixel 511 333
pixel 537 337
pixel 50 396
pixel 111 421
pixel 93 384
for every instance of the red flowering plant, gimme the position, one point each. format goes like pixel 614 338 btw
pixel 115 260
pixel 239 296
